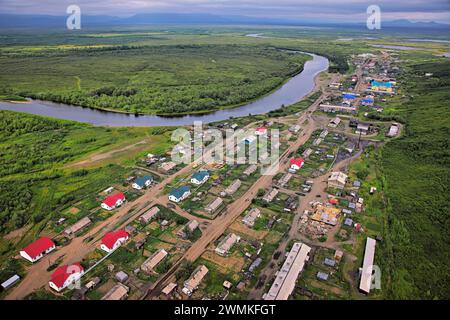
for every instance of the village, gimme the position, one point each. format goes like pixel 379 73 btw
pixel 226 231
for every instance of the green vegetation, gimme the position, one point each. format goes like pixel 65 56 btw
pixel 416 169
pixel 36 181
pixel 163 80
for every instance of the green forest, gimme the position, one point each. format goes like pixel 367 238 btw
pixel 149 79
pixel 417 175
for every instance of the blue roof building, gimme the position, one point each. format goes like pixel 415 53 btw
pixel 142 182
pixel 200 177
pixel 349 96
pixel 180 193
pixel 381 84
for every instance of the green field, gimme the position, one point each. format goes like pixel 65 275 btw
pixel 38 183
pixel 162 80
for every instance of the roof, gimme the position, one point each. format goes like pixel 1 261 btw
pixel 297 161
pixel 111 238
pixel 212 206
pixel 286 278
pixel 180 191
pixel 80 224
pixel 154 259
pixel 227 243
pixel 338 176
pixel 60 275
pixel 169 288
pixel 261 129
pixel 196 277
pixel 349 96
pixel 366 274
pixel 381 84
pixel 322 275
pixel 200 175
pixel 116 293
pixel 142 180
pixel 39 246
pixel 10 281
pixel 149 214
pixel 112 200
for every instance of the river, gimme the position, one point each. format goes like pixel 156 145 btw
pixel 294 90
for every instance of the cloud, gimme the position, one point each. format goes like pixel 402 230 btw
pixel 349 10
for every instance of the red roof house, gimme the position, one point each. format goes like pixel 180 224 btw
pixel 38 249
pixel 65 275
pixel 261 131
pixel 297 163
pixel 113 201
pixel 112 240
pixel 333 201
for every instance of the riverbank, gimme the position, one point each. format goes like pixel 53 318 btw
pixel 290 92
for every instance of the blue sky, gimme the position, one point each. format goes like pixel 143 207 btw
pixel 326 10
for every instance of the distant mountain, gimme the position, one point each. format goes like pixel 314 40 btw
pixel 27 21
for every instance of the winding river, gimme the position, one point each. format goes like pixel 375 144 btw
pixel 291 92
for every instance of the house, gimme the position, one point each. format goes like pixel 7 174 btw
pixel 270 195
pixel 191 284
pixel 167 166
pixel 362 128
pixel 179 194
pixel 297 163
pixel 80 224
pixel 381 86
pixel 118 292
pixel 64 276
pixel 326 215
pixel 153 260
pixel 255 264
pixel 286 277
pixel 335 108
pixel 261 131
pixel 10 282
pixel 290 204
pixel 334 122
pixel 189 227
pixel 338 254
pixel 307 153
pixel 348 222
pixel 200 177
pixel 149 215
pixel 250 218
pixel 322 276
pixel 36 250
pixel 295 128
pixel 93 283
pixel 214 205
pixel 113 201
pixel 368 102
pixel 226 244
pixel 367 268
pixel 233 187
pixel 169 288
pixel 337 180
pixel 249 140
pixel 227 284
pixel 348 96
pixel 250 170
pixel 393 130
pixel 142 182
pixel 285 179
pixel 112 240
pixel 121 276
pixel 329 262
